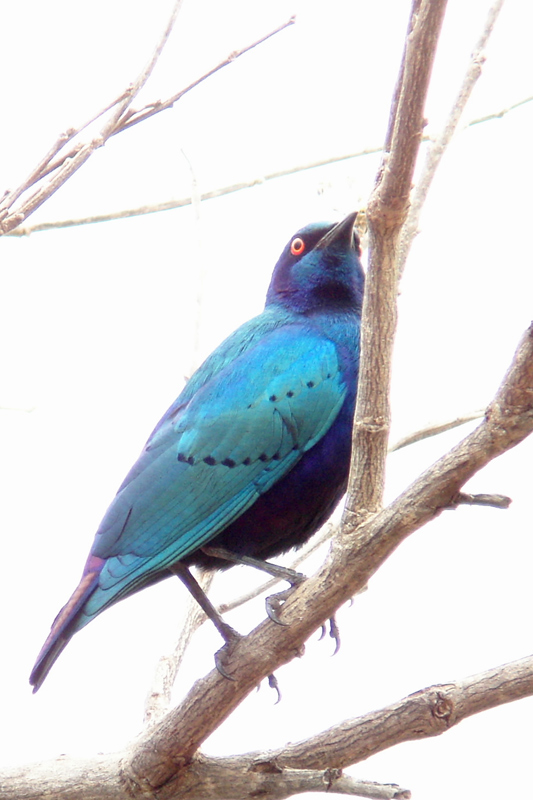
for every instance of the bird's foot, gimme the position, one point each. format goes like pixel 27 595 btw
pixel 334 633
pixel 274 603
pixel 231 637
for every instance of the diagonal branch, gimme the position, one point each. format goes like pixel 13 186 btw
pixel 150 109
pixel 425 713
pixel 82 152
pixel 172 743
pixel 121 118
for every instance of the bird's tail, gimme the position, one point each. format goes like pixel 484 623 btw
pixel 65 625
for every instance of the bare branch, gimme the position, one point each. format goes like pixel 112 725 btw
pixel 406 124
pixel 352 560
pixel 314 764
pixel 186 201
pixel 433 429
pixel 165 763
pixel 437 148
pixel 72 162
pixel 161 105
pixel 235 187
pixel 386 213
pixel 429 712
pixel 121 118
pixel 499 114
pixel 207 778
pixel 491 500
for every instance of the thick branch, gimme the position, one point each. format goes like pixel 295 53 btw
pixel 386 213
pixel 353 559
pixel 313 764
pixel 234 778
pixel 429 712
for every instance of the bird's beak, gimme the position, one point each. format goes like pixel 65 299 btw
pixel 341 233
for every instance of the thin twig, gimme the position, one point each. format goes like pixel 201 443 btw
pixel 120 119
pixel 157 106
pixel 235 187
pixel 491 500
pixel 498 114
pixel 71 164
pixel 437 148
pixel 186 201
pixel 434 428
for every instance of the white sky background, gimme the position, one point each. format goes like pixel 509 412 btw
pixel 96 328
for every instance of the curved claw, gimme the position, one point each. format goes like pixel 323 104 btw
pixel 221 669
pixel 231 637
pixel 335 634
pixel 274 603
pixel 273 683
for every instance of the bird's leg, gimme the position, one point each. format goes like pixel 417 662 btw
pixel 273 603
pixel 229 634
pixel 281 573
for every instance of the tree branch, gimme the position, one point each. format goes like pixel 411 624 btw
pixel 387 209
pixel 433 429
pixel 122 117
pixel 437 148
pixel 82 152
pixel 150 109
pixel 234 778
pixel 168 205
pixel 425 713
pixel 314 764
pixel 164 762
pixel 352 560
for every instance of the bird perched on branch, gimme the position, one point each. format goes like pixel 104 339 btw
pixel 253 455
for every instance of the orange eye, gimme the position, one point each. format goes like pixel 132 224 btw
pixel 297 246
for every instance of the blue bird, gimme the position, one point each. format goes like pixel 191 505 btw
pixel 253 455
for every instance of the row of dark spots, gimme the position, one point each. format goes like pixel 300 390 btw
pixel 274 397
pixel 290 393
pixel 227 462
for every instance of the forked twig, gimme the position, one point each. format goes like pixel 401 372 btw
pixel 61 167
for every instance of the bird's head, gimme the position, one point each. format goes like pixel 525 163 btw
pixel 320 269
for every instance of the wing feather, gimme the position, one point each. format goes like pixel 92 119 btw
pixel 211 457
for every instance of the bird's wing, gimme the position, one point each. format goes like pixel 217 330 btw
pixel 208 461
